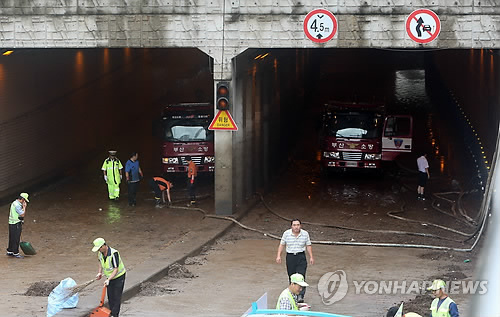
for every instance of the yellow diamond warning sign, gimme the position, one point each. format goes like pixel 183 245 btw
pixel 223 121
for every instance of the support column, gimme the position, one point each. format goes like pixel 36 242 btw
pixel 223 187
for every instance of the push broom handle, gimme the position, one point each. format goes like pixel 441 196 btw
pixel 101 303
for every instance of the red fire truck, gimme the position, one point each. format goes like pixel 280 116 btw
pixel 361 136
pixel 184 129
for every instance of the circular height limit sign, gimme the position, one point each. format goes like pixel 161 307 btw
pixel 423 26
pixel 320 25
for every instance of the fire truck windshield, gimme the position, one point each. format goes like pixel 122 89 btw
pixel 355 125
pixel 187 131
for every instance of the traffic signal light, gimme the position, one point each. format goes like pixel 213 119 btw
pixel 222 95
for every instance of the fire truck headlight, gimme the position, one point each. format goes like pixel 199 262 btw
pixel 209 159
pixel 333 155
pixel 170 160
pixel 373 156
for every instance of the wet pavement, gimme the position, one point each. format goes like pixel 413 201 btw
pixel 64 219
pixel 241 268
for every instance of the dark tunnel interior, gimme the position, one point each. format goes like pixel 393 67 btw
pixel 62 109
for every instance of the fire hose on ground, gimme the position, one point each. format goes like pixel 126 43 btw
pixel 478 223
pixel 349 243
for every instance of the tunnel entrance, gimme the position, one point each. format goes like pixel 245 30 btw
pixel 74 105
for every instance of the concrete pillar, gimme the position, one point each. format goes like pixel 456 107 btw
pixel 239 171
pixel 224 195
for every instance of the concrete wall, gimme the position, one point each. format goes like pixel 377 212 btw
pixel 474 86
pixel 223 29
pixel 266 117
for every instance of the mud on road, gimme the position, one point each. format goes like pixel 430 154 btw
pixel 241 266
pixel 63 220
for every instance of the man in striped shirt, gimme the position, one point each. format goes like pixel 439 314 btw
pixel 296 241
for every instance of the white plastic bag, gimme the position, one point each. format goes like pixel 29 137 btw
pixel 59 297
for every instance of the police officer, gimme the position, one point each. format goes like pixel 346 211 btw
pixel 112 170
pixel 112 267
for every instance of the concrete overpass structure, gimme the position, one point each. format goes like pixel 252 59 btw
pixel 223 29
pixel 226 29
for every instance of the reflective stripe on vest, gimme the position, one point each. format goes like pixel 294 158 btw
pixel 443 310
pixel 285 293
pixel 13 215
pixel 107 267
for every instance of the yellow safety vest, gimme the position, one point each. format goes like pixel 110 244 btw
pixel 112 168
pixel 107 266
pixel 286 293
pixel 14 216
pixel 443 310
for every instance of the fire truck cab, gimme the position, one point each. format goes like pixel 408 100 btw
pixel 184 131
pixel 361 136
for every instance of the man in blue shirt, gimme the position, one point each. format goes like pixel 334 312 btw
pixel 133 174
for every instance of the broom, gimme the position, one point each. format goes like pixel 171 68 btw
pixel 78 288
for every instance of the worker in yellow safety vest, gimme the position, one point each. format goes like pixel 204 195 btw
pixel 442 305
pixel 288 298
pixel 112 170
pixel 112 267
pixel 16 220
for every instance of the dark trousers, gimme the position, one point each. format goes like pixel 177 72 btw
pixel 115 290
pixel 14 237
pixel 296 264
pixel 132 192
pixel 191 189
pixel 422 179
pixel 154 187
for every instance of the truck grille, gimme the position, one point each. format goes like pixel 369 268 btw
pixel 352 156
pixel 196 160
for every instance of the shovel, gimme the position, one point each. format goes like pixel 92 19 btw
pixel 27 248
pixel 101 311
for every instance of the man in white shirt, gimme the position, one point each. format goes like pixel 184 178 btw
pixel 423 175
pixel 296 241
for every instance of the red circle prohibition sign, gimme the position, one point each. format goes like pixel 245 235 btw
pixel 423 26
pixel 320 25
